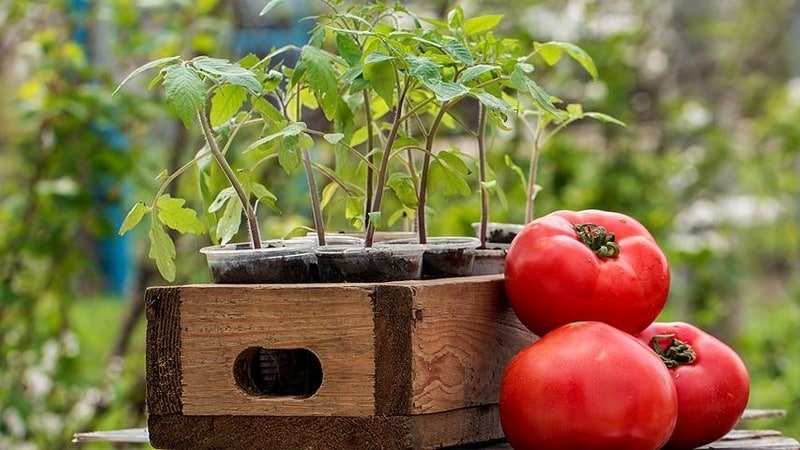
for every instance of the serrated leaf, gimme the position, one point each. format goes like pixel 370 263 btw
pixel 321 78
pixel 475 71
pixel 377 57
pixel 425 70
pixel 348 49
pixel 578 54
pixel 230 222
pixel 185 92
pixel 134 216
pixel 460 52
pixel 403 187
pixel 225 103
pixel 173 214
pixel 333 138
pixel 228 72
pixel 454 162
pixel 481 24
pixel 455 18
pixel 150 65
pixel 162 250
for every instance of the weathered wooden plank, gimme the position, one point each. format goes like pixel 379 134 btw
pixel 219 322
pixel 163 367
pixel 464 335
pixel 426 431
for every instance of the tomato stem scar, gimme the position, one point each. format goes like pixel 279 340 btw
pixel 600 241
pixel 676 353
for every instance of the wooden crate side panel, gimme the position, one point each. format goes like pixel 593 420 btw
pixel 426 431
pixel 163 350
pixel 464 335
pixel 334 322
pixel 393 353
pixel 279 432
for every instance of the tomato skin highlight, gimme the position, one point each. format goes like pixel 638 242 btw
pixel 587 386
pixel 552 278
pixel 713 391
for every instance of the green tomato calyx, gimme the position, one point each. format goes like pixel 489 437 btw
pixel 600 241
pixel 675 353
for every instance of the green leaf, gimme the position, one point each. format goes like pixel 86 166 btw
pixel 403 187
pixel 327 194
pixel 476 71
pixel 134 216
pixel 381 77
pixel 225 103
pixel 348 49
pixel 222 198
pixel 576 53
pixel 289 153
pixel 171 213
pixel 523 83
pixel 268 7
pixel 292 129
pixel 162 250
pixel 377 57
pixel 460 52
pixel 494 103
pixel 450 180
pixel 145 67
pixel 268 111
pixel 375 218
pixel 455 18
pixel 230 222
pixel 228 72
pixel 454 162
pixel 321 78
pixel 333 138
pixel 424 69
pixel 516 169
pixel 604 118
pixel 265 196
pixel 185 92
pixel 446 90
pixel 575 110
pixel 481 24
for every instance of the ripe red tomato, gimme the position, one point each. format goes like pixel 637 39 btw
pixel 592 265
pixel 711 381
pixel 587 385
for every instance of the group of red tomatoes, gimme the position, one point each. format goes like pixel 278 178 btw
pixel 603 374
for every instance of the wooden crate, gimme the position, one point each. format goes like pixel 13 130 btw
pixel 404 364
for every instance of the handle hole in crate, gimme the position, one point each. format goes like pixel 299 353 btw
pixel 278 372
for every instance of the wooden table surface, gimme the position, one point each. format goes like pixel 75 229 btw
pixel 741 439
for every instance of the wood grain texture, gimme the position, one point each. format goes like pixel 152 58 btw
pixel 334 322
pixel 464 335
pixel 427 431
pixel 394 321
pixel 163 350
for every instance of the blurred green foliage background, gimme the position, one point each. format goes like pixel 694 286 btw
pixel 709 162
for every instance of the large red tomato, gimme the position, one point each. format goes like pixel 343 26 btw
pixel 587 385
pixel 593 265
pixel 711 380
